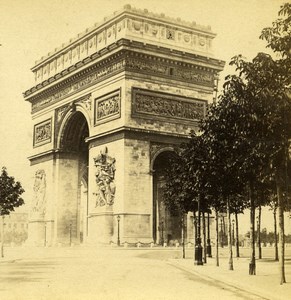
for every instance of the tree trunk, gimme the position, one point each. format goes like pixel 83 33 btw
pixel 252 264
pixel 281 230
pixel 217 237
pixel 224 239
pixel 230 259
pixel 236 233
pixel 183 234
pixel 275 233
pixel 204 238
pixel 259 232
pixel 221 233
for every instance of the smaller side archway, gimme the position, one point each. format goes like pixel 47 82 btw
pixel 166 224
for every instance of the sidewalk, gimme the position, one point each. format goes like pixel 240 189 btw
pixel 265 284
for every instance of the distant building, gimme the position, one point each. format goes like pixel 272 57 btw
pixel 15 228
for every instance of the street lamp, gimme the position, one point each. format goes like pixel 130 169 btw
pixel 198 246
pixel 70 234
pixel 216 79
pixel 45 233
pixel 195 228
pixel 208 247
pixel 2 237
pixel 118 237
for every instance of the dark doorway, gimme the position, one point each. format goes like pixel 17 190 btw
pixel 166 224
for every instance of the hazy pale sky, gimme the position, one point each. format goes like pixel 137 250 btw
pixel 29 29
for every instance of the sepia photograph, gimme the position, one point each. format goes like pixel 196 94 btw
pixel 145 149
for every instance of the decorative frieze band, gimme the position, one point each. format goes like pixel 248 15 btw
pixel 132 62
pixel 151 104
pixel 42 133
pixel 176 72
pixel 73 87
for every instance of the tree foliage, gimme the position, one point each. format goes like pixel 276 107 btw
pixel 10 192
pixel 245 136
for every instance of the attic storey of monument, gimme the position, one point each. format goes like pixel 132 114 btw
pixel 104 109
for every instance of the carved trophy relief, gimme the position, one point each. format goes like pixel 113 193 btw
pixel 61 112
pixel 39 193
pixel 42 133
pixel 104 176
pixel 87 102
pixel 107 107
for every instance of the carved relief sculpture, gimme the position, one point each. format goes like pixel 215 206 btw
pixel 104 175
pixel 107 107
pixel 42 133
pixel 149 103
pixel 87 101
pixel 39 191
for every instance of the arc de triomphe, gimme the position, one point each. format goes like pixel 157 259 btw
pixel 108 108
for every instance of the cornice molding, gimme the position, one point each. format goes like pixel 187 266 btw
pixel 126 60
pixel 113 135
pixel 131 23
pixel 200 61
pixel 136 133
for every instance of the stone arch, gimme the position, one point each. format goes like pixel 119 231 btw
pixel 158 152
pixel 73 170
pixel 73 122
pixel 166 225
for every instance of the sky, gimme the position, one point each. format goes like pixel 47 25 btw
pixel 30 29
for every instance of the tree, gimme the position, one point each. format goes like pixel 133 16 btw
pixel 10 192
pixel 278 38
pixel 177 196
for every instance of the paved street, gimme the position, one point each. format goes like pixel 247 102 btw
pixel 87 273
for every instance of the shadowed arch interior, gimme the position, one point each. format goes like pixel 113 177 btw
pixel 166 226
pixel 74 147
pixel 74 133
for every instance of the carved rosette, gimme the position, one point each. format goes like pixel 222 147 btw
pixel 39 193
pixel 104 176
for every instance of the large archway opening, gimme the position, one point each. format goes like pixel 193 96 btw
pixel 166 224
pixel 73 219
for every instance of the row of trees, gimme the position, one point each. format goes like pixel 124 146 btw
pixel 239 157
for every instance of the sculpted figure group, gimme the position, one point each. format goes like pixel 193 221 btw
pixel 104 175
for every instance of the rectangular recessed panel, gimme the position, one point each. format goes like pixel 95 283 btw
pixel 168 107
pixel 107 107
pixel 42 133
